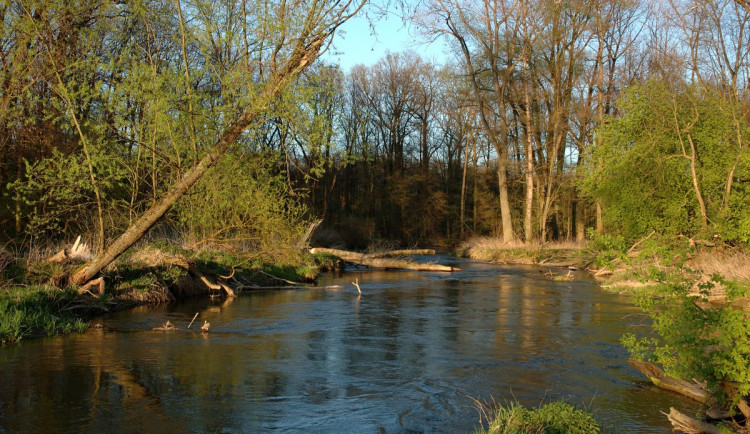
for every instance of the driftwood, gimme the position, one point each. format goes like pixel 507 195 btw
pixel 167 327
pixel 182 262
pixel 192 269
pixel 682 422
pixel 689 425
pixel 657 376
pixel 379 262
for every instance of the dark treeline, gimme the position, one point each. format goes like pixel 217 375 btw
pixel 552 118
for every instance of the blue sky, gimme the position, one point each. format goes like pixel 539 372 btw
pixel 356 42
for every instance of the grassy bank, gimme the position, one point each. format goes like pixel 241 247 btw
pixel 621 265
pixel 36 298
pixel 494 250
pixel 697 296
pixel 27 311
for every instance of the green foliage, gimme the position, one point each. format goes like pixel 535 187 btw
pixel 641 172
pixel 552 418
pixel 698 339
pixel 244 203
pixel 607 248
pixel 60 196
pixel 35 310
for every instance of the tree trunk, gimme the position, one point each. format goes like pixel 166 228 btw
pixel 300 58
pixel 696 186
pixel 529 204
pixel 580 218
pixel 502 181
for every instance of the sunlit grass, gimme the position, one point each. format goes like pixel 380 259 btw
pixel 490 249
pixel 552 418
pixel 35 310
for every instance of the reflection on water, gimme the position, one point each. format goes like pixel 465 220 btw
pixel 410 354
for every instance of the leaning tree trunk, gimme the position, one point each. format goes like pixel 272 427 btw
pixel 304 53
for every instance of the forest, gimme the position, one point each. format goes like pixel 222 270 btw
pixel 550 119
pixel 219 126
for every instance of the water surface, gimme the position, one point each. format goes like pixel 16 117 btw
pixel 412 354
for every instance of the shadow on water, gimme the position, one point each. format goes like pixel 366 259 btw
pixel 409 355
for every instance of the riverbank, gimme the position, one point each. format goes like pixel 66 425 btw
pixel 697 295
pixel 620 266
pixel 36 298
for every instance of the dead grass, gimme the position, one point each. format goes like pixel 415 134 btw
pixel 152 257
pixel 489 249
pixel 732 265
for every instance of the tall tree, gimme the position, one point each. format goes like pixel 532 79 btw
pixel 289 39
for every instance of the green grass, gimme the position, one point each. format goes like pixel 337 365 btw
pixel 552 418
pixel 27 311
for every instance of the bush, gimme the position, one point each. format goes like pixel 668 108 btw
pixel 552 418
pixel 698 339
pixel 608 248
pixel 244 204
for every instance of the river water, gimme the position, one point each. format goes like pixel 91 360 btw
pixel 413 353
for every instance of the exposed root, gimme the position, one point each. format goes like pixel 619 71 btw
pixel 96 285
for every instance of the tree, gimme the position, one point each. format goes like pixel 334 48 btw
pixel 289 40
pixel 663 164
pixel 489 59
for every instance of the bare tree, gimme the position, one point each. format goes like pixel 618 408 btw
pixel 489 59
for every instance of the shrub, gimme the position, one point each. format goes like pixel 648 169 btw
pixel 698 339
pixel 552 418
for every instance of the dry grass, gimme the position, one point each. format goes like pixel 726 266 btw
pixel 489 249
pixel 732 265
pixel 152 257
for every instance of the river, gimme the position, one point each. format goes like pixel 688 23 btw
pixel 414 353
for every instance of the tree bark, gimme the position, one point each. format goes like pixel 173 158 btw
pixel 305 51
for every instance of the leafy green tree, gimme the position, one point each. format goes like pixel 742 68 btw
pixel 245 204
pixel 665 163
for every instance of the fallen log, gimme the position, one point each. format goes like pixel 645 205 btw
pixel 379 262
pixel 689 425
pixel 662 380
pixel 407 252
